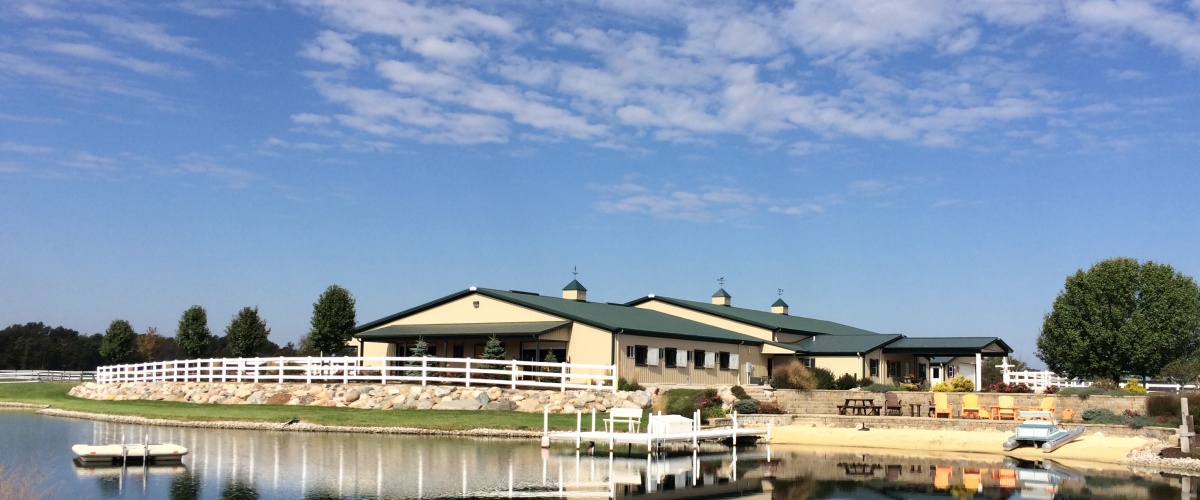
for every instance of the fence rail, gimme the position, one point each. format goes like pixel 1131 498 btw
pixel 385 370
pixel 1040 380
pixel 10 376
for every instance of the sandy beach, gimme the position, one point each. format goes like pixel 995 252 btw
pixel 1088 448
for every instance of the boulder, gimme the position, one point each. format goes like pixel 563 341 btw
pixel 424 404
pixel 458 404
pixel 500 406
pixel 352 395
pixel 483 398
pixel 281 398
pixel 529 406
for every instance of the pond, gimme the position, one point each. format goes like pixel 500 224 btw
pixel 279 464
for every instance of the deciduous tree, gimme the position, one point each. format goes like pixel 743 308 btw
pixel 247 333
pixel 119 342
pixel 193 334
pixel 1121 317
pixel 332 320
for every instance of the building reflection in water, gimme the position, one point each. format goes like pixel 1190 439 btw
pixel 283 464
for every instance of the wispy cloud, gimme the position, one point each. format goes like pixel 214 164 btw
pixel 14 147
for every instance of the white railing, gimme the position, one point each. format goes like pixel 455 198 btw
pixel 385 370
pixel 1038 381
pixel 45 376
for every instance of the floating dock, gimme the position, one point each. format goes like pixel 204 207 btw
pixel 662 430
pixel 129 453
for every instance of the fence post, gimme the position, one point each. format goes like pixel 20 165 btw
pixel 467 372
pixel 424 372
pixel 514 373
pixel 613 373
pixel 562 377
pixel 1187 429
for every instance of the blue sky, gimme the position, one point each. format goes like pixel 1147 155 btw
pixel 905 166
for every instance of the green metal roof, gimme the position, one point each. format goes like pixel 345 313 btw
pixel 764 319
pixel 841 344
pixel 947 346
pixel 616 318
pixel 574 285
pixel 779 303
pixel 722 293
pixel 533 328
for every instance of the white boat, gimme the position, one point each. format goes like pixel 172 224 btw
pixel 1045 433
pixel 109 453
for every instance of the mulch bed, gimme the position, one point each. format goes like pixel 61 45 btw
pixel 1175 452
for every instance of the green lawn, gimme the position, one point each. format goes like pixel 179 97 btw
pixel 55 395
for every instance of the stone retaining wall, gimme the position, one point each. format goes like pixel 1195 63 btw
pixel 953 424
pixel 826 402
pixel 366 396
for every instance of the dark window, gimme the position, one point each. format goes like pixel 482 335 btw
pixel 874 367
pixel 669 356
pixel 698 358
pixel 639 355
pixel 810 362
pixel 459 352
pixel 724 360
pixel 936 372
pixel 920 371
pixel 628 351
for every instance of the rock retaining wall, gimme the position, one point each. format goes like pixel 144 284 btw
pixel 826 402
pixel 366 396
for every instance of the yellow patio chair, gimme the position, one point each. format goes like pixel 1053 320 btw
pixel 970 406
pixel 941 405
pixel 1006 408
pixel 1046 406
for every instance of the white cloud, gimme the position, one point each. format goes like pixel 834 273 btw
pixel 15 147
pixel 1173 30
pixel 333 48
pixel 310 119
pixel 100 54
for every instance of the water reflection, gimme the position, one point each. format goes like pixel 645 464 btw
pixel 279 464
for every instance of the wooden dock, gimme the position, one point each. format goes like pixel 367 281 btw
pixel 662 430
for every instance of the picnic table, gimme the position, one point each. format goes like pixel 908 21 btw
pixel 859 406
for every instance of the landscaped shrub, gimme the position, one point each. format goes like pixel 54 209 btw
pixel 1100 416
pixel 1167 405
pixel 909 386
pixel 746 406
pixel 793 376
pixel 1008 387
pixel 1105 384
pixel 1050 389
pixel 824 378
pixel 739 392
pixel 707 414
pixel 680 402
pixel 864 382
pixel 845 382
pixel 883 388
pixel 629 385
pixel 1132 386
pixel 957 384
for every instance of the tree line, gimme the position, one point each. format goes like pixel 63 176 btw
pixel 35 346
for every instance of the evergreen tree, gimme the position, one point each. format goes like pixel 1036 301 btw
pixel 550 358
pixel 494 349
pixel 119 343
pixel 332 320
pixel 193 334
pixel 419 350
pixel 247 333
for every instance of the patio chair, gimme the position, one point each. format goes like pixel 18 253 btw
pixel 941 405
pixel 970 406
pixel 1046 406
pixel 1005 408
pixel 941 477
pixel 892 402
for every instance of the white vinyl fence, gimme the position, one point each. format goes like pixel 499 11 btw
pixel 1038 381
pixel 382 370
pixel 45 376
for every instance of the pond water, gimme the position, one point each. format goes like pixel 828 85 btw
pixel 278 464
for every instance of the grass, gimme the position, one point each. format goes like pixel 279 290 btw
pixel 55 395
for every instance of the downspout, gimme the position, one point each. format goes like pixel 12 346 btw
pixel 616 345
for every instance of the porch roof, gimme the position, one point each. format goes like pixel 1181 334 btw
pixel 948 346
pixel 515 329
pixel 827 345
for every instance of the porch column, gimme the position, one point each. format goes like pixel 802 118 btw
pixel 978 371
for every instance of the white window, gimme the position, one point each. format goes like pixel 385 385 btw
pixel 652 356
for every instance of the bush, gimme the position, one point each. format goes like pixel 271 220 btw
pixel 883 388
pixel 629 385
pixel 739 392
pixel 824 378
pixel 1050 389
pixel 746 406
pixel 864 382
pixel 1020 387
pixel 1100 416
pixel 1104 384
pixel 957 384
pixel 711 412
pixel 680 402
pixel 793 376
pixel 1167 405
pixel 1134 387
pixel 845 382
pixel 909 386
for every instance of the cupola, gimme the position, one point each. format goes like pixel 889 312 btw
pixel 575 291
pixel 779 307
pixel 722 298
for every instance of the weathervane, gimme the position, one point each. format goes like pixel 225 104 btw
pixel 721 282
pixel 780 291
pixel 575 271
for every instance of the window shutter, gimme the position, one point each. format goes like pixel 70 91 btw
pixel 681 358
pixel 652 356
pixel 710 359
pixel 733 361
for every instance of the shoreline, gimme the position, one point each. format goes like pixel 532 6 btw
pixel 1094 450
